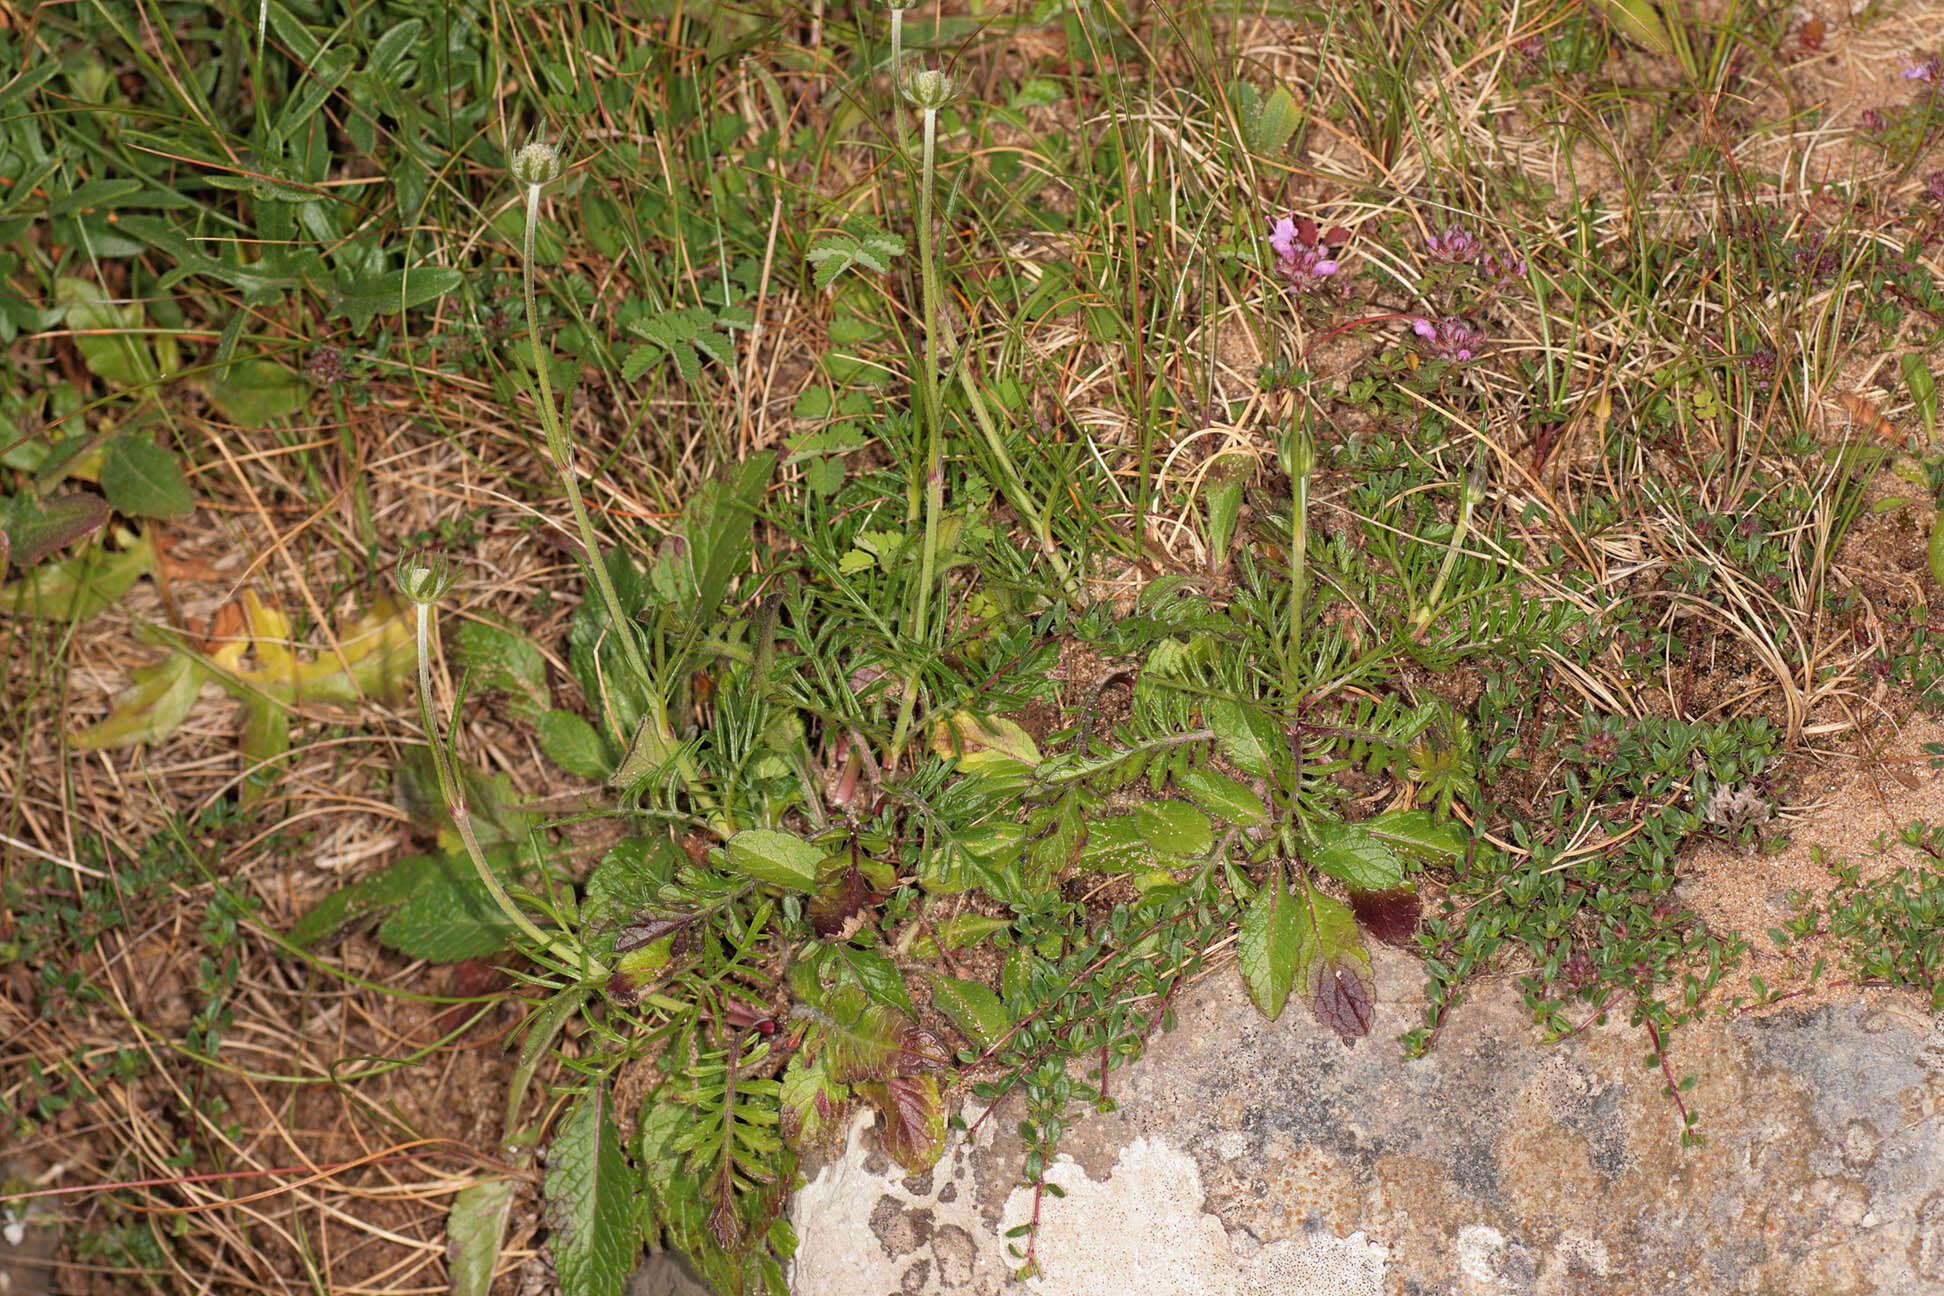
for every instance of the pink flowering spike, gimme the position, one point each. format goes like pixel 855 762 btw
pixel 1324 268
pixel 1424 328
pixel 1282 238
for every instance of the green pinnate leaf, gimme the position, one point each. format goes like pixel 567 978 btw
pixel 1057 845
pixel 393 293
pixel 833 254
pixel 778 858
pixel 1224 797
pixel 590 1200
pixel 474 1228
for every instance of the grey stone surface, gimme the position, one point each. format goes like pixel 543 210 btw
pixel 1254 1157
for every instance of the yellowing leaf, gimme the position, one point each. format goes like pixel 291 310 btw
pixel 965 733
pixel 159 700
pixel 379 649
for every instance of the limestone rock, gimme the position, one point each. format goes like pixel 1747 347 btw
pixel 1260 1158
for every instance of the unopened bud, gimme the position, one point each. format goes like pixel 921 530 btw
pixel 424 577
pixel 535 164
pixel 928 89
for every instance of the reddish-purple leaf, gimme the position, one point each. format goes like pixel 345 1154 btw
pixel 39 527
pixel 914 1119
pixel 840 901
pixel 725 1220
pixel 1342 996
pixel 869 1041
pixel 1390 916
pixel 635 935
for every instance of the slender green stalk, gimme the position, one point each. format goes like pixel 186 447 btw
pixel 929 91
pixel 455 800
pixel 533 166
pixel 1302 465
pixel 1468 501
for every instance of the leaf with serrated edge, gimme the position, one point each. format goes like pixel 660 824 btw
pixel 778 858
pixel 1418 835
pixel 973 1008
pixel 1224 797
pixel 1174 828
pixel 1336 972
pixel 1390 916
pixel 1271 946
pixel 474 1228
pixel 1348 853
pixel 914 1119
pixel 811 1102
pixel 870 1041
pixel 590 1201
pixel 1245 735
pixel 450 917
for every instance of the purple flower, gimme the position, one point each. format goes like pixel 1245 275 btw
pixel 1304 257
pixel 1930 71
pixel 1935 186
pixel 1450 338
pixel 1872 122
pixel 1513 267
pixel 1456 246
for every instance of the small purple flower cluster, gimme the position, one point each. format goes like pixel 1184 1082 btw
pixel 1450 338
pixel 1928 76
pixel 1304 257
pixel 1456 246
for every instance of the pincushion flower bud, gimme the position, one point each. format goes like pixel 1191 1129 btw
pixel 424 577
pixel 928 89
pixel 535 164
